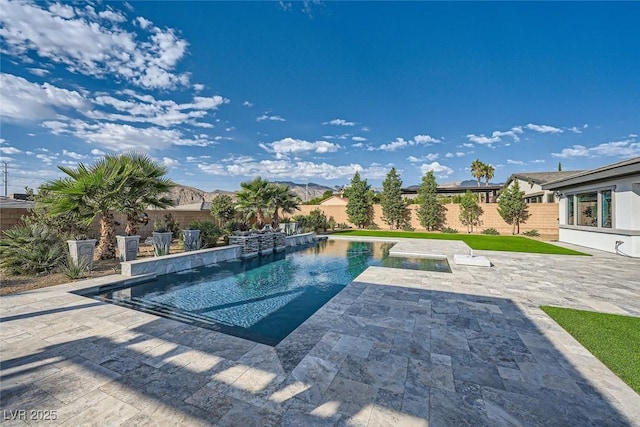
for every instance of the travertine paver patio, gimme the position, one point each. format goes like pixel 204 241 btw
pixel 395 347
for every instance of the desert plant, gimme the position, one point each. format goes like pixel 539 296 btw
pixel 210 233
pixel 160 249
pixel 31 249
pixel 317 220
pixel 449 230
pixel 490 232
pixel 531 233
pixel 74 269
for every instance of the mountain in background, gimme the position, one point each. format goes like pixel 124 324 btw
pixel 185 195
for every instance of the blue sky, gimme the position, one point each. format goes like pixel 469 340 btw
pixel 311 92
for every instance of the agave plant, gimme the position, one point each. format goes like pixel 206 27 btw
pixel 31 249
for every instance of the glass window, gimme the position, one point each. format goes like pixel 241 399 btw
pixel 570 211
pixel 606 209
pixel 588 209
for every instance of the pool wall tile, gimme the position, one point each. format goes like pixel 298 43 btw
pixel 180 262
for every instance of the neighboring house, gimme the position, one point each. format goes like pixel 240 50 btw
pixel 335 201
pixel 600 208
pixel 531 183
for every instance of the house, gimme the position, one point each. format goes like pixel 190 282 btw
pixel 600 208
pixel 531 183
pixel 335 201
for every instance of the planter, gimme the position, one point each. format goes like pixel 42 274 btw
pixel 82 250
pixel 128 247
pixel 161 242
pixel 289 228
pixel 191 240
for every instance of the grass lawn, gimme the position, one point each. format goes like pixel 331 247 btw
pixel 612 338
pixel 474 241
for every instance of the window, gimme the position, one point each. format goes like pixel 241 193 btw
pixel 570 210
pixel 593 209
pixel 606 209
pixel 588 209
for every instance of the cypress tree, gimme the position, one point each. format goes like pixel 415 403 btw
pixel 394 207
pixel 359 206
pixel 430 211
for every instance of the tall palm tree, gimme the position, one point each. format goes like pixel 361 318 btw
pixel 146 184
pixel 254 198
pixel 477 170
pixel 488 174
pixel 88 192
pixel 283 200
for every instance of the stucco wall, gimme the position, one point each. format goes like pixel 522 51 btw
pixel 544 217
pixel 625 215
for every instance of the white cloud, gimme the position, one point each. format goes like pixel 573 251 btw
pixel 198 87
pixel 456 154
pixel 515 162
pixel 575 129
pixel 247 104
pixel 73 155
pixel 170 163
pixel 41 72
pixel 402 143
pixel 428 158
pixel 359 139
pixel 633 135
pixel 481 139
pixel 543 128
pixel 575 151
pixel 10 150
pixel 97 152
pixel 358 145
pixel 538 161
pixel 365 129
pixel 123 137
pixel 46 159
pixel 136 108
pixel 23 100
pixel 295 146
pixel 292 169
pixel 272 118
pixel 339 122
pixel 441 171
pixel 93 44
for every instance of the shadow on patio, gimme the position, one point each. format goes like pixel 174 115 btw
pixel 374 355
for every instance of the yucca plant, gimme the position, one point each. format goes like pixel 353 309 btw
pixel 31 249
pixel 75 269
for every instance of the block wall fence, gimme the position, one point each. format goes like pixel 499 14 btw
pixel 544 218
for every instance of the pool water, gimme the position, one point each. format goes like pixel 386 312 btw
pixel 263 299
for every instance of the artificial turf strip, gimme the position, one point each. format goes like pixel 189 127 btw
pixel 612 338
pixel 475 241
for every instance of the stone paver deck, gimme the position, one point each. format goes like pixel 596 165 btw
pixel 395 347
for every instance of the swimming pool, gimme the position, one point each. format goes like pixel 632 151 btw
pixel 262 299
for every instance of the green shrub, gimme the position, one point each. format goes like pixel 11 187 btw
pixel 531 233
pixel 75 269
pixel 408 227
pixel 449 230
pixel 31 249
pixel 317 220
pixel 490 232
pixel 210 233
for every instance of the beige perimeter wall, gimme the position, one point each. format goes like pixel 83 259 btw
pixel 544 217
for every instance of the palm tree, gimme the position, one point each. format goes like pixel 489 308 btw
pixel 283 200
pixel 254 198
pixel 488 173
pixel 145 187
pixel 88 192
pixel 477 170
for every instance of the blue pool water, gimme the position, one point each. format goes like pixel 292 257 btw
pixel 262 299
